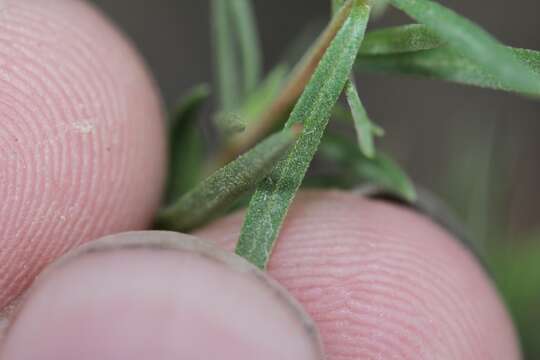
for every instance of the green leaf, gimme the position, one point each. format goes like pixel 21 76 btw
pixel 379 8
pixel 444 64
pixel 381 170
pixel 271 201
pixel 254 106
pixel 289 94
pixel 185 144
pixel 304 70
pixel 365 129
pixel 246 30
pixel 226 185
pixel 261 99
pixel 230 123
pixel 400 39
pixel 302 42
pixel 224 46
pixel 341 113
pixel 386 173
pixel 336 5
pixel 473 43
pixel 516 273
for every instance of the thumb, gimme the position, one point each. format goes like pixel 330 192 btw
pixel 158 295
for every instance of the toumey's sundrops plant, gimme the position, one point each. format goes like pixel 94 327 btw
pixel 256 163
pixel 307 237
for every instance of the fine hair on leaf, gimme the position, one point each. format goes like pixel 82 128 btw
pixel 474 43
pixel 272 199
pixel 292 89
pixel 444 64
pixel 400 39
pixel 227 184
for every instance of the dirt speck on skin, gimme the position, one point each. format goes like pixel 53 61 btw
pixel 84 126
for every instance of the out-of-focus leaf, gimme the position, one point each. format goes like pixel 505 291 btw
pixel 474 44
pixel 293 88
pixel 271 201
pixel 226 185
pixel 383 171
pixel 517 272
pixel 336 5
pixel 301 43
pixel 230 123
pixel 227 73
pixel 444 64
pixel 262 97
pixel 248 36
pixel 233 124
pixel 186 150
pixel 380 170
pixel 379 8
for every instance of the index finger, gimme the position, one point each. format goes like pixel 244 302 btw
pixel 81 135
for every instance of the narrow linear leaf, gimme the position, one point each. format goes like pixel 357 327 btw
pixel 516 273
pixel 228 77
pixel 341 113
pixel 296 83
pixel 186 150
pixel 302 42
pixel 304 70
pixel 365 129
pixel 400 39
pixel 189 105
pixel 246 29
pixel 227 184
pixel 271 201
pixel 380 170
pixel 474 43
pixel 336 5
pixel 379 8
pixel 230 123
pixel 444 64
pixel 385 172
pixel 254 105
pixel 260 99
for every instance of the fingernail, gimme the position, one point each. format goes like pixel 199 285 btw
pixel 158 295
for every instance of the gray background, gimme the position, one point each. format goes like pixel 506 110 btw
pixel 429 124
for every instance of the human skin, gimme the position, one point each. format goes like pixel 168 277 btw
pixel 383 282
pixel 375 280
pixel 378 280
pixel 81 135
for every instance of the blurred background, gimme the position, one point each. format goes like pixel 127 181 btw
pixel 477 149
